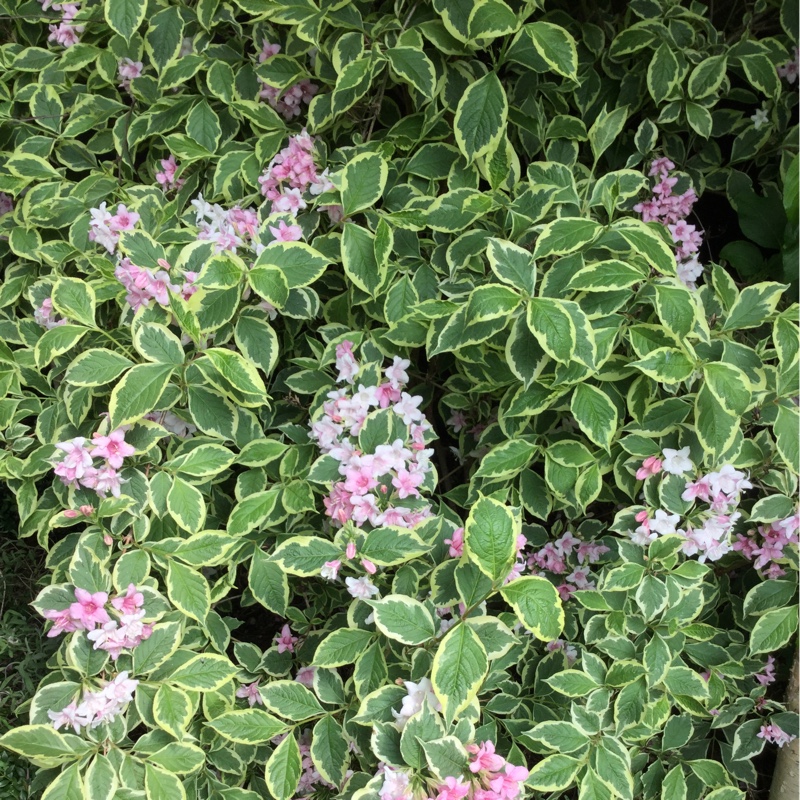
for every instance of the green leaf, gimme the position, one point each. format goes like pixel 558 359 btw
pixel 362 182
pixel 268 583
pixel 603 276
pixel 178 757
pixel 773 630
pixel 252 512
pixel 305 555
pixel 67 786
pixel 506 460
pixel 38 741
pixel 683 681
pixel 162 785
pixel 96 367
pixel 606 130
pixel 258 341
pixel 662 73
pixel 554 773
pixel 566 235
pixel 595 414
pixel 204 673
pixel 157 648
pixel 291 700
pixel 270 283
pixel 56 341
pixel 537 605
pixel 284 768
pixel 572 683
pixel 202 125
pixel 186 505
pixel 75 299
pixel 665 364
pixel 239 372
pixel 137 393
pixel 644 239
pixel 556 46
pixel 159 344
pixel 414 67
pixel 173 710
pixel 459 667
pixel 550 322
pixel 342 646
pixel 360 263
pixel 480 120
pixel 388 546
pixel 124 16
pixel 404 619
pixel 512 264
pixel 563 737
pixel 300 264
pixel 248 726
pixel 330 750
pixel 707 76
pixel 490 537
pixel 446 756
pixel 188 591
pixel 100 780
pixel 753 306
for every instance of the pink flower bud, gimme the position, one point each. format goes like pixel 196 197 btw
pixel 87 511
pixel 641 516
pixel 70 513
pixel 350 552
pixel 368 566
pixel 107 539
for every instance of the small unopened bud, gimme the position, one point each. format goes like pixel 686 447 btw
pixel 107 539
pixel 368 566
pixel 70 513
pixel 87 511
pixel 163 263
pixel 350 552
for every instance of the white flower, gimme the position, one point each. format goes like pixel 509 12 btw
pixel 362 588
pixel 643 536
pixel 412 702
pixel 677 462
pixel 760 118
pixel 663 524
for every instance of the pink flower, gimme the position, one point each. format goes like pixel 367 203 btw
pixel 775 734
pixel 485 758
pixel 330 570
pixel 250 693
pixel 406 483
pixel 123 220
pixel 285 641
pixel 89 610
pixel 130 602
pixel 112 447
pixel 286 233
pixel 456 543
pixel 66 718
pixel 128 70
pixel 453 788
pixel 305 675
pixel 507 784
pixel 346 363
pixel 62 622
pixel 650 466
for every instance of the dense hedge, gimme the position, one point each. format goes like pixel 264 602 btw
pixel 395 423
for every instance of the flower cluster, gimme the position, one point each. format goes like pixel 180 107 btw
pixel 292 173
pixel 96 707
pixel 76 467
pixel 128 70
pixel 382 487
pixel 91 610
pixel 491 778
pixel 168 175
pixel 227 229
pixel 708 535
pixel 775 734
pixel 556 558
pixel 143 285
pixel 288 104
pixel 671 210
pixel 105 227
pixel 766 544
pixel 66 33
pixel 789 70
pixel 45 315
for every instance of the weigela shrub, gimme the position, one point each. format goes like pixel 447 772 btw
pixel 394 419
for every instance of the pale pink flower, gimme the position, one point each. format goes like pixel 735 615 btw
pixel 285 641
pixel 113 447
pixel 89 610
pixel 250 693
